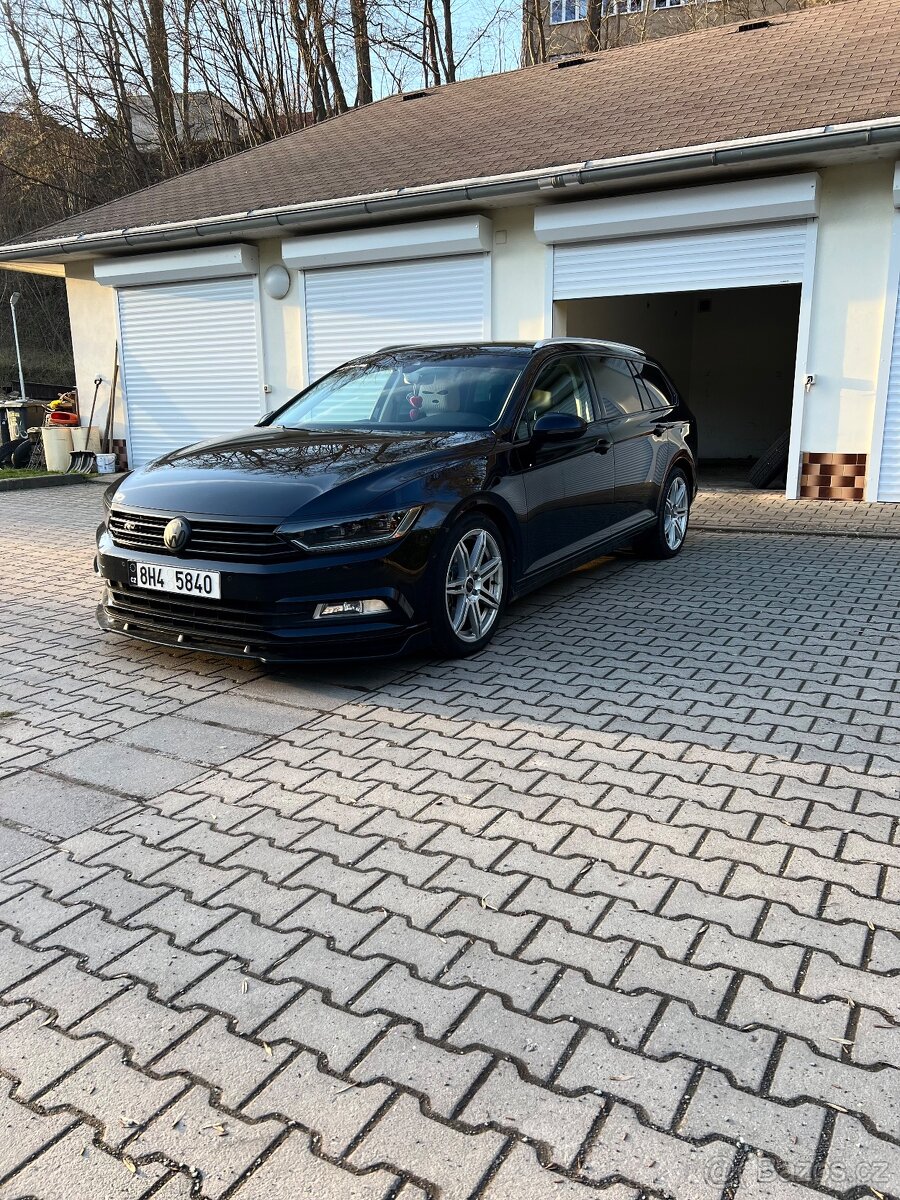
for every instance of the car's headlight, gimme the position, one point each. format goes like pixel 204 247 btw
pixel 358 532
pixel 108 493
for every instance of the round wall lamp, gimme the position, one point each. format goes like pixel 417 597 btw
pixel 277 282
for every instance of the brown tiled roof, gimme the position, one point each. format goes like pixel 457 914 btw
pixel 830 64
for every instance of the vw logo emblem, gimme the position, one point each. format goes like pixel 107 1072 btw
pixel 176 534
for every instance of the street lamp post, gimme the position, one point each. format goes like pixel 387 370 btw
pixel 13 301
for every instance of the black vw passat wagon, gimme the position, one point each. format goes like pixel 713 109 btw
pixel 407 495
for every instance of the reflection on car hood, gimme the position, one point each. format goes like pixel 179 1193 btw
pixel 274 472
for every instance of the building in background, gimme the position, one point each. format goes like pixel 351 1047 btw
pixel 553 28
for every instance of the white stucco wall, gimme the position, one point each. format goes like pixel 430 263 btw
pixel 847 318
pixel 92 314
pixel 518 268
pixel 281 324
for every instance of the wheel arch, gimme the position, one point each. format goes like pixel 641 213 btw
pixel 690 469
pixel 502 516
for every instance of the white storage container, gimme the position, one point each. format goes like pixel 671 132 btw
pixel 57 441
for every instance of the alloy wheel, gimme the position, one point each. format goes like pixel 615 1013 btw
pixel 675 513
pixel 473 589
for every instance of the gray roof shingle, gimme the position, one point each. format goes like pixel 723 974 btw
pixel 831 64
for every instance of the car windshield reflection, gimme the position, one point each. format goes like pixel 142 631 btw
pixel 442 389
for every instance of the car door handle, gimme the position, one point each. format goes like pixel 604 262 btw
pixel 602 445
pixel 660 430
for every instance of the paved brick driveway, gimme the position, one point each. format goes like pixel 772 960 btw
pixel 611 911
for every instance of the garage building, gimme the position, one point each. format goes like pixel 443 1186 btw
pixel 747 235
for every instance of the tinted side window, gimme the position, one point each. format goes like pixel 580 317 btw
pixel 615 386
pixel 657 389
pixel 560 387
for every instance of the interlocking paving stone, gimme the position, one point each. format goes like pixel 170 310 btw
pixel 529 923
pixel 16 846
pixel 244 999
pixel 310 1022
pixel 858 1157
pixel 36 1055
pixel 744 1054
pixel 121 1098
pixel 219 1148
pixel 32 914
pixel 232 1065
pixel 789 1133
pixel 293 1172
pixel 560 1123
pixel 521 1177
pixel 443 1077
pixel 74 1168
pixel 66 988
pixel 161 964
pixel 576 997
pixel 537 1044
pixel 451 1161
pixel 627 1149
pixel 323 1104
pixel 803 1073
pixel 23 1132
pixel 656 1087
pixel 398 992
pixel 56 806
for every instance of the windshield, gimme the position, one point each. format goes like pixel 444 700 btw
pixel 463 388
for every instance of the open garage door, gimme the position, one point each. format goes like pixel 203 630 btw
pixel 720 310
pixel 731 352
pixel 709 280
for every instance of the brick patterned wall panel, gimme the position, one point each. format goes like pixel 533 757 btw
pixel 833 476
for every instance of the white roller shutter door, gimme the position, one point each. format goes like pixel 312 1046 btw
pixel 752 256
pixel 355 310
pixel 889 474
pixel 190 362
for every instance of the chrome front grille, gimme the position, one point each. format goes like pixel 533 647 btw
pixel 228 541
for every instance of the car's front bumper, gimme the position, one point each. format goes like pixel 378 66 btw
pixel 267 611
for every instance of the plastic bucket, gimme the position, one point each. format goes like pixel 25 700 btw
pixel 57 446
pixel 106 464
pixel 83 439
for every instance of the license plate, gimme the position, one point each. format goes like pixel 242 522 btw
pixel 180 580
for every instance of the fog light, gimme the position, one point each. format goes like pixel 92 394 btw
pixel 350 608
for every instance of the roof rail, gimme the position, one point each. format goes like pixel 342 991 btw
pixel 593 343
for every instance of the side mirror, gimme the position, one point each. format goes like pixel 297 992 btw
pixel 558 427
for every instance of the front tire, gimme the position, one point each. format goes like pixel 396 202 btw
pixel 471 580
pixel 666 537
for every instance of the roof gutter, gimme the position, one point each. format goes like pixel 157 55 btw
pixel 883 132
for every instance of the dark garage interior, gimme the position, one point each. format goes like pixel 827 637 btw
pixel 731 352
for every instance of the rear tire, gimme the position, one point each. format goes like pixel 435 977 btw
pixel 666 536
pixel 21 456
pixel 470 586
pixel 771 463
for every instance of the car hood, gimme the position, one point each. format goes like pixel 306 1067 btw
pixel 279 473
